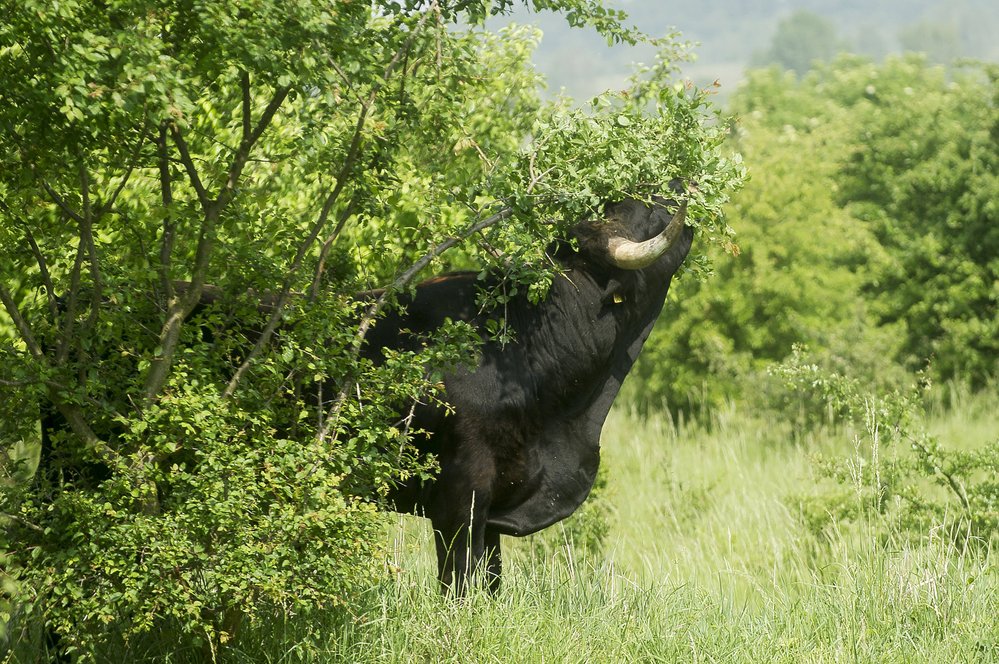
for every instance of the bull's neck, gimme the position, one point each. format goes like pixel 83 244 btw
pixel 584 342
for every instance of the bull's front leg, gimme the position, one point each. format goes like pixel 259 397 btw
pixel 460 538
pixel 494 561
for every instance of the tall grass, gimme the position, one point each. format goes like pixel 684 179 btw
pixel 705 559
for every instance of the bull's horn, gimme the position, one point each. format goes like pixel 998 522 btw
pixel 629 255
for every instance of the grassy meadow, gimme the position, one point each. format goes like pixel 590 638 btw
pixel 701 555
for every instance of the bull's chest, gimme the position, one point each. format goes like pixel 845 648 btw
pixel 547 480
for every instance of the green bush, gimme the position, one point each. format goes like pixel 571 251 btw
pixel 902 481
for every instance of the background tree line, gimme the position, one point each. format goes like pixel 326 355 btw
pixel 867 233
pixel 732 37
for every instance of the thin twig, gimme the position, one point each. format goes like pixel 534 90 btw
pixel 166 194
pixel 132 163
pixel 22 521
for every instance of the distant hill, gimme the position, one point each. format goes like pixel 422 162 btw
pixel 734 34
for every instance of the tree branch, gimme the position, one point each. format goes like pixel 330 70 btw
pixel 303 248
pixel 72 299
pixel 954 483
pixel 43 269
pixel 20 323
pixel 189 166
pixel 327 245
pixel 244 82
pixel 350 160
pixel 243 152
pixel 43 266
pixel 87 238
pixel 58 200
pixel 74 417
pixel 180 307
pixel 166 194
pixel 132 163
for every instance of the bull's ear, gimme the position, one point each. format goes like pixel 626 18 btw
pixel 614 292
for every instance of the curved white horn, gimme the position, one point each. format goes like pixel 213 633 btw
pixel 630 255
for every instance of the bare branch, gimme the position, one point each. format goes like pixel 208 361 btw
pixel 400 56
pixel 43 269
pixel 20 383
pixel 74 416
pixel 181 308
pixel 303 248
pixel 21 520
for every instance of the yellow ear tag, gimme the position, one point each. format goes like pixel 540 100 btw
pixel 618 298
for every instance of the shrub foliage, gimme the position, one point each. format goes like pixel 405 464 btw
pixel 168 167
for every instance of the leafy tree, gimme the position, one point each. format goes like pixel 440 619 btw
pixel 166 168
pixel 792 278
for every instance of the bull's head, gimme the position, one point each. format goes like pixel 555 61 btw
pixel 633 234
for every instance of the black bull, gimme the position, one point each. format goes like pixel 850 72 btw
pixel 520 450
